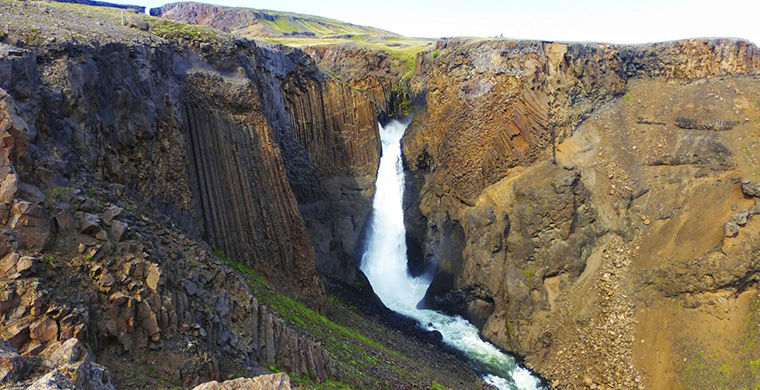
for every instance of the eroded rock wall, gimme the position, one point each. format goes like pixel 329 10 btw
pixel 559 262
pixel 124 157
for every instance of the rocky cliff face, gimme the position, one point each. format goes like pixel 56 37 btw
pixel 558 262
pixel 122 153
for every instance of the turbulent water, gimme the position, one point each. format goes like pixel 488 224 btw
pixel 385 265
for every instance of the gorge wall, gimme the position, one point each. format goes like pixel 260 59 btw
pixel 591 207
pixel 583 265
pixel 126 152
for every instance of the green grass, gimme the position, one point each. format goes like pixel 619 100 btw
pixel 170 29
pixel 353 353
pixel 282 25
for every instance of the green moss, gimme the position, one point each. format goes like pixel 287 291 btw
pixel 436 53
pixel 628 97
pixel 437 386
pixel 352 351
pixel 529 274
pixel 510 327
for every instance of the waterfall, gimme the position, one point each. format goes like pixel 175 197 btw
pixel 385 265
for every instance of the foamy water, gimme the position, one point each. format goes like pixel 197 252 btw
pixel 385 265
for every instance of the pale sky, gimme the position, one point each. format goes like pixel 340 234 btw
pixel 616 21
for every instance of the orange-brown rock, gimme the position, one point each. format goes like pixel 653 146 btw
pixel 590 267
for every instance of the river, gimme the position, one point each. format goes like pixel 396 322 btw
pixel 385 265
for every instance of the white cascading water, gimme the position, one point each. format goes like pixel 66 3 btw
pixel 385 265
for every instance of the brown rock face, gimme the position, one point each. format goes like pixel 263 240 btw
pixel 231 155
pixel 474 129
pixel 119 158
pixel 336 125
pixel 372 72
pixel 572 265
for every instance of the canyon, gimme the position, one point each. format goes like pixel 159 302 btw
pixel 181 188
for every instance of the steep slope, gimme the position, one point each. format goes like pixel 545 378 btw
pixel 577 265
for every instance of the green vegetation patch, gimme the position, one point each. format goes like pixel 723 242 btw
pixel 170 29
pixel 354 354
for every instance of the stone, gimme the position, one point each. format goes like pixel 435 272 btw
pixel 107 280
pixel 731 229
pixel 89 224
pixel 25 263
pixel 63 220
pixel 118 229
pixel 751 189
pixel 44 330
pixel 190 287
pixel 17 334
pixel 262 382
pixel 73 358
pixel 147 319
pixel 755 210
pixel 152 277
pixel 101 235
pixel 13 367
pixel 740 218
pixel 30 192
pixel 118 298
pixel 111 212
pixel 30 225
pixel 54 380
pixel 8 187
pixel 8 263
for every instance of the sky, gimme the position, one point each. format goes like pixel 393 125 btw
pixel 615 21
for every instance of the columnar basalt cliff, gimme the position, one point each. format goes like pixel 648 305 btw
pixel 109 141
pixel 570 263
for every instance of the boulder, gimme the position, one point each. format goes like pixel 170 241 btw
pixel 73 358
pixel 25 263
pixel 44 330
pixel 54 380
pixel 8 186
pixel 30 225
pixel 8 263
pixel 118 229
pixel 740 218
pixel 111 212
pixel 13 367
pixel 751 189
pixel 263 382
pixel 17 334
pixel 89 224
pixel 731 229
pixel 63 220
